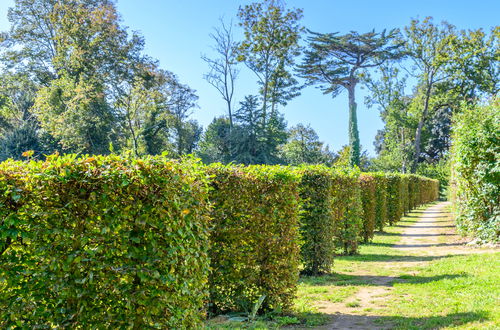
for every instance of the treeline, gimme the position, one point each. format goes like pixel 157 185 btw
pixel 74 80
pixel 114 241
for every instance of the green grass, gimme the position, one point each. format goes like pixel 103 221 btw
pixel 428 292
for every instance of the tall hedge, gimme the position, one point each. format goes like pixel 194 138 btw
pixel 380 200
pixel 368 185
pixel 317 222
pixel 254 237
pixel 103 242
pixel 394 198
pixel 476 172
pixel 347 210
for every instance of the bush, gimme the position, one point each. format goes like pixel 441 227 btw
pixel 475 171
pixel 254 237
pixel 103 242
pixel 368 185
pixel 317 222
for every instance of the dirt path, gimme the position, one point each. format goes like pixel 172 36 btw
pixel 431 237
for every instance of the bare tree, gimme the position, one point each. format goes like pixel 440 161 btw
pixel 223 71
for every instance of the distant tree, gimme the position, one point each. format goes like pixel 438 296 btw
pixel 215 143
pixel 338 62
pixel 223 71
pixel 303 147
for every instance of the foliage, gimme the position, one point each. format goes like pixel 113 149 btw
pixel 317 221
pixel 368 186
pixel 380 200
pixel 303 147
pixel 394 205
pixel 103 242
pixel 254 237
pixel 475 171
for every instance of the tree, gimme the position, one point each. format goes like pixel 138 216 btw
pixel 215 143
pixel 223 71
pixel 303 147
pixel 430 48
pixel 269 49
pixel 338 62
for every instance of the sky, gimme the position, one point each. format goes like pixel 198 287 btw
pixel 177 34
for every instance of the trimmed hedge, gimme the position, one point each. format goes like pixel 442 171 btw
pixel 317 220
pixel 104 242
pixel 380 200
pixel 368 185
pixel 394 198
pixel 347 210
pixel 254 237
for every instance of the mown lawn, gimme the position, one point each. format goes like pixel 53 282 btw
pixel 428 292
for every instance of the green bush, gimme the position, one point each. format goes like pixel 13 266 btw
pixel 317 223
pixel 368 185
pixel 476 172
pixel 103 242
pixel 254 237
pixel 347 210
pixel 405 193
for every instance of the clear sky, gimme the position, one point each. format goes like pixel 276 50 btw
pixel 176 34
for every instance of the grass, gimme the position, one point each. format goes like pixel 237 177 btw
pixel 427 292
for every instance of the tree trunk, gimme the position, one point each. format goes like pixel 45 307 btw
pixel 354 152
pixel 418 134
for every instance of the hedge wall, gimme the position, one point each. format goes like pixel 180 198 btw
pixel 254 237
pixel 394 198
pixel 103 242
pixel 475 171
pixel 368 185
pixel 347 210
pixel 380 200
pixel 317 223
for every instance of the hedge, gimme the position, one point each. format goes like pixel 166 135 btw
pixel 475 171
pixel 317 223
pixel 394 198
pixel 254 237
pixel 368 185
pixel 103 242
pixel 380 200
pixel 347 210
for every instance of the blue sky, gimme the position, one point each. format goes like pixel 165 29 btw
pixel 176 34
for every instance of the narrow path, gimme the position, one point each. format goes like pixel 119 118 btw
pixel 431 237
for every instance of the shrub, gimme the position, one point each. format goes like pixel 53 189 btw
pixel 368 187
pixel 404 193
pixel 103 242
pixel 317 222
pixel 475 171
pixel 347 210
pixel 254 237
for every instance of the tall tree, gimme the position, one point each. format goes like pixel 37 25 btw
pixel 271 44
pixel 430 48
pixel 223 71
pixel 336 62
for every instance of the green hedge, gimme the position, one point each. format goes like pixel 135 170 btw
pixel 347 210
pixel 103 242
pixel 475 171
pixel 254 237
pixel 380 200
pixel 317 221
pixel 368 185
pixel 394 198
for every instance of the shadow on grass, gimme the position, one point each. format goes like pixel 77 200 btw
pixel 390 257
pixel 424 322
pixel 411 246
pixel 363 280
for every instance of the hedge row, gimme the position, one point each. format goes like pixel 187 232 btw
pixel 117 242
pixel 340 208
pixel 475 160
pixel 103 242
